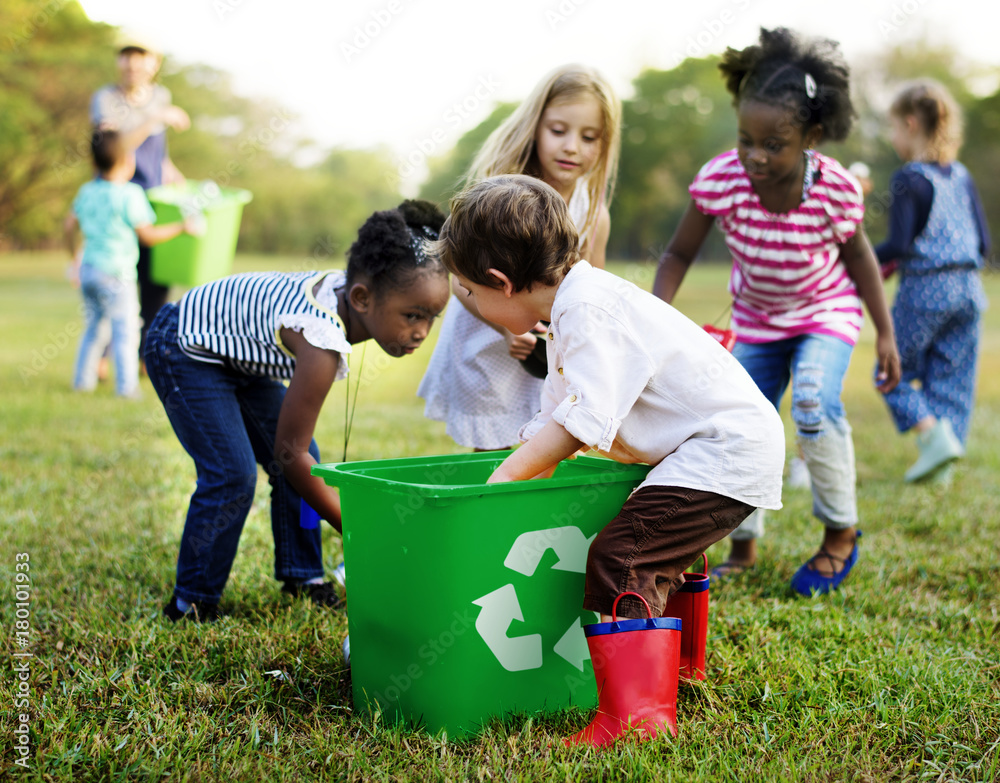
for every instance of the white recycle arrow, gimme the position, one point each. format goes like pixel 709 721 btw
pixel 500 609
pixel 573 644
pixel 569 544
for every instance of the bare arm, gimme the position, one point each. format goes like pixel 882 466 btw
pixel 72 234
pixel 539 456
pixel 315 372
pixel 134 138
pixel 171 115
pixel 151 234
pixel 862 265
pixel 680 253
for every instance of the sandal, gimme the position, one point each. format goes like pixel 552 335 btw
pixel 807 581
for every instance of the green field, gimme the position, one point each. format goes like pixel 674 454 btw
pixel 896 677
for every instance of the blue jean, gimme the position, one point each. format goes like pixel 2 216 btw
pixel 815 364
pixel 227 422
pixel 106 298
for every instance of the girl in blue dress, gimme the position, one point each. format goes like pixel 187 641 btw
pixel 937 240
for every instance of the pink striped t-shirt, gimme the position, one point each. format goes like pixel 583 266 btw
pixel 787 277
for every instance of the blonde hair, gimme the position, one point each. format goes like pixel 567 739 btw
pixel 515 223
pixel 937 114
pixel 510 149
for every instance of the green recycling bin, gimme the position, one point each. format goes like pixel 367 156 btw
pixel 192 260
pixel 464 599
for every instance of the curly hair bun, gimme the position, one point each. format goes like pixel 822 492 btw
pixel 384 251
pixel 419 214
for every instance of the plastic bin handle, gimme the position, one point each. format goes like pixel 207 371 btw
pixel 614 606
pixel 705 562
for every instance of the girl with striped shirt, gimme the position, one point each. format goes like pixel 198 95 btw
pixel 802 266
pixel 218 360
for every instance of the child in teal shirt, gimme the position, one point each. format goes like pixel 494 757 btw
pixel 113 214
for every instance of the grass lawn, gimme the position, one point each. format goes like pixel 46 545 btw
pixel 896 677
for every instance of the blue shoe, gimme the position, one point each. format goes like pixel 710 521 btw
pixel 808 582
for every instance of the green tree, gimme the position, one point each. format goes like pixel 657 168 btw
pixel 51 58
pixel 316 211
pixel 676 121
pixel 982 156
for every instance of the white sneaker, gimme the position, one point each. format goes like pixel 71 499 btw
pixel 798 474
pixel 347 649
pixel 340 575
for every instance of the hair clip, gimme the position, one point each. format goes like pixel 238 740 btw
pixel 418 244
pixel 810 86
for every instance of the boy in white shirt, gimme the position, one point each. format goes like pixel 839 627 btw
pixel 628 376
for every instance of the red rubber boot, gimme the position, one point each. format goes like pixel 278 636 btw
pixel 690 604
pixel 635 665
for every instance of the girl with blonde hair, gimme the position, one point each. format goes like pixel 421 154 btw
pixel 482 380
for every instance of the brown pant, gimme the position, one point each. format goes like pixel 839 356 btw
pixel 658 533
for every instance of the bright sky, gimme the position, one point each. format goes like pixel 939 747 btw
pixel 416 74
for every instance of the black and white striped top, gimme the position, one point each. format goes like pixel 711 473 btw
pixel 236 321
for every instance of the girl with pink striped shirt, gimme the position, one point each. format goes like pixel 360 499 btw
pixel 802 266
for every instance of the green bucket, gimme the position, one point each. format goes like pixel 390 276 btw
pixel 192 260
pixel 464 599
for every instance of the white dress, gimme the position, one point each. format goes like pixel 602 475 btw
pixel 473 384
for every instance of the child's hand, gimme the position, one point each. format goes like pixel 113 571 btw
pixel 73 270
pixel 520 346
pixel 195 224
pixel 889 370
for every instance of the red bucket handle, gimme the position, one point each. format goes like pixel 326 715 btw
pixel 725 337
pixel 614 606
pixel 705 560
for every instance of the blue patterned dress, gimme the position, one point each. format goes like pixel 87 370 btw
pixel 940 300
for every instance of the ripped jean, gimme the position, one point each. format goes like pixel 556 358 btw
pixel 816 365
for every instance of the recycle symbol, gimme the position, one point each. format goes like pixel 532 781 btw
pixel 500 607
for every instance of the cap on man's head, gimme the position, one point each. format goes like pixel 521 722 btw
pixel 129 42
